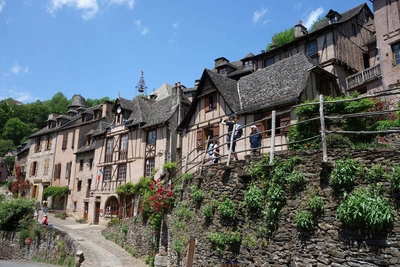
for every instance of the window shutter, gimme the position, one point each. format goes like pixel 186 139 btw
pixel 214 101
pixel 285 122
pixel 73 140
pixel 36 168
pixel 65 141
pixel 216 130
pixel 199 139
pixel 57 171
pixel 31 169
pixel 207 104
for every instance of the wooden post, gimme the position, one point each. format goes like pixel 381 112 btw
pixel 231 143
pixel 273 122
pixel 205 154
pixel 323 139
pixel 191 251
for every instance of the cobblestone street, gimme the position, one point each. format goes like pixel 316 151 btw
pixel 97 250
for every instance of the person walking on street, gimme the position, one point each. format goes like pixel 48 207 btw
pixel 255 141
pixel 216 153
pixel 45 220
pixel 231 122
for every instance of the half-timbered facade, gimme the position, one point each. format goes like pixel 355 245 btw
pixel 137 144
pixel 339 44
pixel 252 98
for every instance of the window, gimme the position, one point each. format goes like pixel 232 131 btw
pixel 149 167
pixel 57 171
pixel 68 170
pixel 49 142
pixel 396 53
pixel 107 174
pixel 81 165
pixel 73 140
pixel 122 172
pixel 65 141
pixel 88 140
pixel 46 166
pixel 269 61
pixel 109 149
pixel 210 102
pixel 223 71
pixel 34 168
pixel 90 164
pixel 248 64
pixel 151 137
pixel 37 144
pixel 79 185
pixel 312 49
pixel 123 150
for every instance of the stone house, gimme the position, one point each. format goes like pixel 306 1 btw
pixel 137 144
pixel 387 23
pixel 253 97
pixel 69 169
pixel 339 44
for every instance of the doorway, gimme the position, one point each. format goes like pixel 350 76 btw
pixel 85 210
pixel 96 213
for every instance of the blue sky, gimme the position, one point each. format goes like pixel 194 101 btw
pixel 98 48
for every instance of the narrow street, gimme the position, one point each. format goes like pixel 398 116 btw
pixel 97 250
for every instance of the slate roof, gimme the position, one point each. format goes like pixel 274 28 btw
pixel 163 91
pixel 281 82
pixel 345 16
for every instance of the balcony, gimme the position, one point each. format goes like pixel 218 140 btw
pixel 363 76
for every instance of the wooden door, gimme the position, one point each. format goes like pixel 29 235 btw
pixel 86 210
pixel 96 213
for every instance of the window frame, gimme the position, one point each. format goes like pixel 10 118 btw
pixel 149 166
pixel 269 61
pixel 312 48
pixel 107 174
pixel 151 137
pixel 122 172
pixel 396 53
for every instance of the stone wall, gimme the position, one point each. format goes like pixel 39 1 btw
pixel 329 243
pixel 48 248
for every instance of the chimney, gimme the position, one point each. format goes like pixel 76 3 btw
pixel 300 30
pixel 272 46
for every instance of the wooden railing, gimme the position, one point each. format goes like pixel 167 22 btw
pixel 363 76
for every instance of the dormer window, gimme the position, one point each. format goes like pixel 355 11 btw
pixel 248 64
pixel 223 71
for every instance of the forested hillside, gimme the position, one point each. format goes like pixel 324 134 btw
pixel 18 120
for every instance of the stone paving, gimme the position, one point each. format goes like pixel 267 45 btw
pixel 97 250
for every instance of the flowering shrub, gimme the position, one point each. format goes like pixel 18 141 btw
pixel 17 186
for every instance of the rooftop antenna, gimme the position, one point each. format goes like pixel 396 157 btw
pixel 141 85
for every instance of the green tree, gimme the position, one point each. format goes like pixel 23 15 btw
pixel 58 103
pixel 15 130
pixel 4 145
pixel 96 102
pixel 282 38
pixel 16 213
pixel 9 160
pixel 315 23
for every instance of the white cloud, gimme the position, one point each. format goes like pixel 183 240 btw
pixel 175 25
pixel 89 7
pixel 144 31
pixel 26 70
pixel 2 4
pixel 313 16
pixel 16 94
pixel 259 14
pixel 16 68
pixel 129 3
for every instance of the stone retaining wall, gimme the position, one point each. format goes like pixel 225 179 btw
pixel 329 243
pixel 48 248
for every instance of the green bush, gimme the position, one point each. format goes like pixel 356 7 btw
pixel 16 213
pixel 62 216
pixel 296 180
pixel 55 191
pixel 227 208
pixel 364 208
pixel 80 220
pixel 304 219
pixel 375 173
pixel 344 173
pixel 221 240
pixel 113 221
pixel 394 178
pixel 197 194
pixel 23 234
pixel 208 211
pixel 187 176
pixel 254 198
pixel 337 141
pixel 178 245
pixel 316 205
